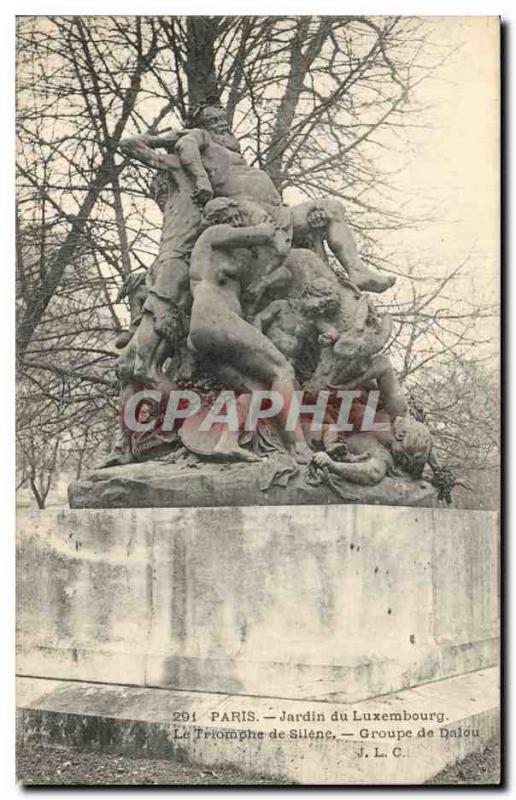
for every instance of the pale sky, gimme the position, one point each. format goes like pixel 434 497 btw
pixel 451 167
pixel 447 169
pixel 455 165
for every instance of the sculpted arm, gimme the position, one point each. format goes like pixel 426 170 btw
pixel 263 320
pixel 228 237
pixel 189 148
pixel 142 148
pixel 365 473
pixel 278 279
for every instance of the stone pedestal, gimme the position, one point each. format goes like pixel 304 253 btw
pixel 335 743
pixel 153 484
pixel 334 604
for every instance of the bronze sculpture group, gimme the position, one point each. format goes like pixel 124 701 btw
pixel 242 296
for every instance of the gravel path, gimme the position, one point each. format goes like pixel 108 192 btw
pixel 477 768
pixel 50 764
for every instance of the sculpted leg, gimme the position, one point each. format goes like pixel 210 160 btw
pixel 222 334
pixel 328 215
pixel 392 395
pixel 365 465
pixel 121 452
pixel 228 446
pixel 147 344
pixel 283 383
pixel 162 330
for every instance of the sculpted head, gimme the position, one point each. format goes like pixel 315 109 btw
pixel 221 211
pixel 320 298
pixel 411 446
pixel 211 117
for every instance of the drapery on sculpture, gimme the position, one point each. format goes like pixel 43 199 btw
pixel 242 296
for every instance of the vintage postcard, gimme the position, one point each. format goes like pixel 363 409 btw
pixel 258 381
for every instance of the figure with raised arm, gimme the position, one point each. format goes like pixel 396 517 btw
pixel 211 156
pixel 164 323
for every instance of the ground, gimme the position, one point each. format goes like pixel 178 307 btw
pixel 50 764
pixel 477 768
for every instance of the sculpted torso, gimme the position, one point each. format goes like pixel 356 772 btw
pixel 230 176
pixel 287 327
pixel 218 272
pixel 228 173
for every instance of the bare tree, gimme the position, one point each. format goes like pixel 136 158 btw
pixel 316 101
pixel 39 460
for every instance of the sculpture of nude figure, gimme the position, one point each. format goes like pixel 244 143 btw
pixel 222 263
pixel 135 289
pixel 403 451
pixel 210 155
pixel 164 322
pixel 295 324
pixel 161 326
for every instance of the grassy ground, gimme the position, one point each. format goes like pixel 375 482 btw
pixel 50 764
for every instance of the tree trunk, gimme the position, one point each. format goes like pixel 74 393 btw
pixel 300 62
pixel 31 317
pixel 39 499
pixel 200 65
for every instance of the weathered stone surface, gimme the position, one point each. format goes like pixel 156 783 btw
pixel 149 722
pixel 153 484
pixel 326 603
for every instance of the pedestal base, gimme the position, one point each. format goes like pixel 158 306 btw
pixel 337 603
pixel 401 738
pixel 153 484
